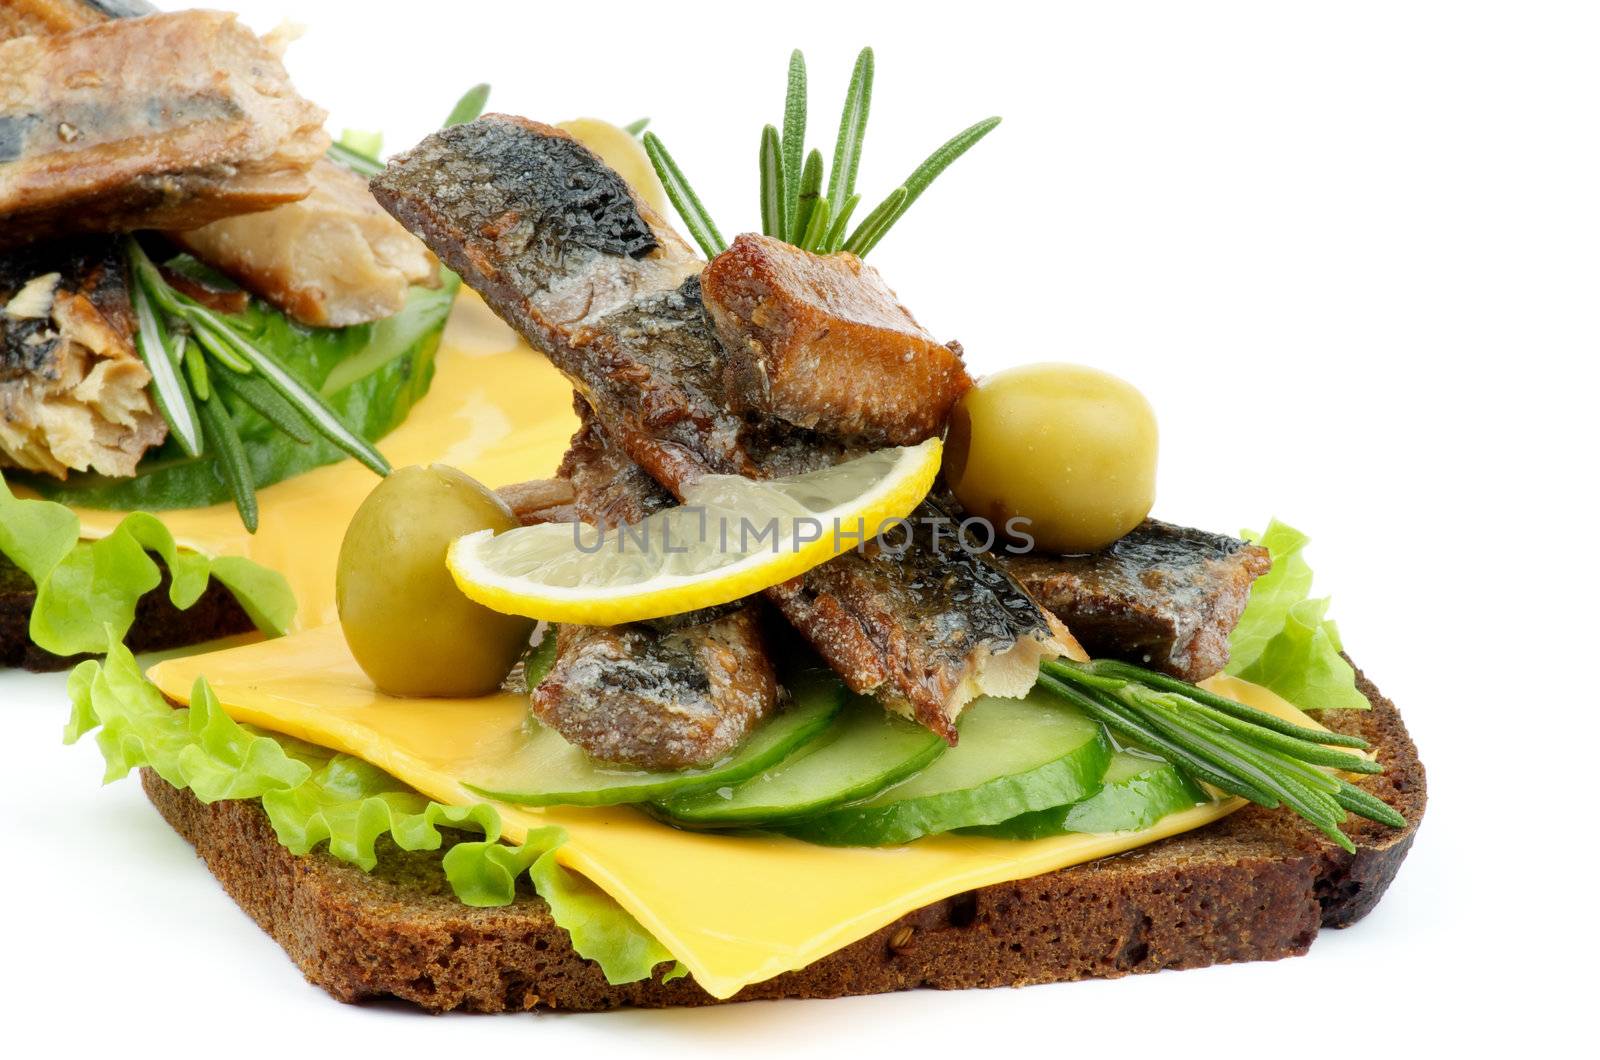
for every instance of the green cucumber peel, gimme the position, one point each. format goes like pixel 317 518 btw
pixel 864 751
pixel 1015 756
pixel 545 770
pixel 1136 792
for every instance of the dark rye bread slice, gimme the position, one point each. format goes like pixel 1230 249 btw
pixel 1255 886
pixel 157 625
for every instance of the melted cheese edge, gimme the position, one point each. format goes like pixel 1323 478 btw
pixel 734 909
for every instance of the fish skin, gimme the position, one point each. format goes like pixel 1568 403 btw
pixel 22 18
pixel 823 343
pixel 73 390
pixel 638 346
pixel 1163 596
pixel 95 137
pixel 672 694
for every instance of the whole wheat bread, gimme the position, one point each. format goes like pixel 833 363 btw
pixel 1255 886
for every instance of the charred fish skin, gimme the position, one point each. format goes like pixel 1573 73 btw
pixel 1164 596
pixel 547 233
pixel 651 698
pixel 73 390
pixel 671 694
pixel 912 618
pixel 94 137
pixel 639 347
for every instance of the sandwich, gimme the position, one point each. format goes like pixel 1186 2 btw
pixel 796 677
pixel 198 300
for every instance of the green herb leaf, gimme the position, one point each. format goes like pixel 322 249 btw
pixel 223 438
pixel 774 208
pixel 371 374
pixel 1283 640
pixel 354 161
pixel 810 189
pixel 306 401
pixel 257 394
pixel 875 223
pixel 817 226
pixel 312 798
pixel 794 142
pixel 931 167
pixel 836 230
pixel 194 363
pixel 1220 742
pixel 683 198
pixel 468 107
pixel 171 395
pixel 363 142
pixel 634 128
pixel 852 130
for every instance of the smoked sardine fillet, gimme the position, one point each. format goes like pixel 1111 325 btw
pixel 22 18
pixel 168 121
pixel 332 259
pixel 73 390
pixel 1164 596
pixel 823 343
pixel 563 250
pixel 671 694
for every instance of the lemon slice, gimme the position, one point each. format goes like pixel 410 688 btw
pixel 731 537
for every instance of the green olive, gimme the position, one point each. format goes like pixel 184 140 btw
pixel 1072 450
pixel 407 624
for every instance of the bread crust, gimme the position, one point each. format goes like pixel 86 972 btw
pixel 1257 885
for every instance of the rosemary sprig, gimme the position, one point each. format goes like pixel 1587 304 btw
pixel 791 192
pixel 694 215
pixel 872 227
pixel 810 190
pixel 167 385
pixel 1231 746
pixel 232 464
pixel 852 129
pixel 634 128
pixel 196 354
pixel 774 199
pixel 794 141
pixel 931 167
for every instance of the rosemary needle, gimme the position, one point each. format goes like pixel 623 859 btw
pixel 774 200
pixel 683 198
pixel 794 141
pixel 1230 746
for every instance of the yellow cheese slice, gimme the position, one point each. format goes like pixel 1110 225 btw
pixel 496 410
pixel 734 909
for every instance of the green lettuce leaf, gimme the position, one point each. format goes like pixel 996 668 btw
pixel 1284 641
pixel 86 591
pixel 313 797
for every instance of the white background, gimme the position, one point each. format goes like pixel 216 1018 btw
pixel 1351 253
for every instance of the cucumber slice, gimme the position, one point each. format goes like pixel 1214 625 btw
pixel 864 751
pixel 545 770
pixel 1137 791
pixel 1015 755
